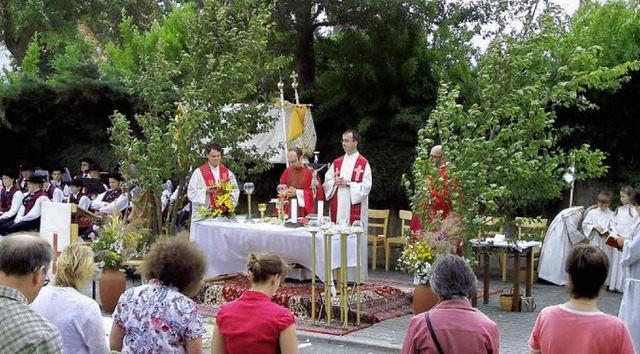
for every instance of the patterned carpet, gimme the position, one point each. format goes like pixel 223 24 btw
pixel 379 301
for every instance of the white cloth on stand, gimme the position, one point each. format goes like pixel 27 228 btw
pixel 558 241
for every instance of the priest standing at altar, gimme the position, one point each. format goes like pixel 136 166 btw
pixel 300 178
pixel 204 179
pixel 347 186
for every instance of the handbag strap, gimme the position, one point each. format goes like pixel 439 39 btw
pixel 433 333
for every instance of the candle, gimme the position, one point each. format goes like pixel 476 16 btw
pixel 320 209
pixel 294 210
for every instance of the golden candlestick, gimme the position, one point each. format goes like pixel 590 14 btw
pixel 313 275
pixel 344 295
pixel 327 276
pixel 358 233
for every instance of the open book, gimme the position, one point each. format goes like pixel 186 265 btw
pixel 611 239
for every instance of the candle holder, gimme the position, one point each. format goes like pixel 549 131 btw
pixel 249 187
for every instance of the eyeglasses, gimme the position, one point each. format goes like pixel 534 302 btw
pixel 346 140
pixel 46 281
pixel 46 276
pixel 434 156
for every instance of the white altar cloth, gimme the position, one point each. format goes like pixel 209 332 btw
pixel 227 245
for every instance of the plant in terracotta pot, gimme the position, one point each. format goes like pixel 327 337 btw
pixel 421 251
pixel 115 244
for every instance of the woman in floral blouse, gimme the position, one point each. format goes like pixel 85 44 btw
pixel 159 317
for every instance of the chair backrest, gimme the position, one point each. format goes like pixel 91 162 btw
pixel 378 221
pixel 537 225
pixel 491 225
pixel 405 220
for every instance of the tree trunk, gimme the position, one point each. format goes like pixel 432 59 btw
pixel 305 55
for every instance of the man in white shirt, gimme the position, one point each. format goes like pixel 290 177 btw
pixel 204 179
pixel 114 200
pixel 10 197
pixel 28 217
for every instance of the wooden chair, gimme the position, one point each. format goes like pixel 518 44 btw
pixel 378 223
pixel 536 227
pixel 405 220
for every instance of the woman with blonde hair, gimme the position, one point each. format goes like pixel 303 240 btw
pixel 77 317
pixel 253 323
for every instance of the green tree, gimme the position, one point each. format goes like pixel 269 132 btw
pixel 223 61
pixel 503 148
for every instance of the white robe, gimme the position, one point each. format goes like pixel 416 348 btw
pixel 598 217
pixel 621 224
pixel 562 234
pixel 197 189
pixel 348 195
pixel 630 305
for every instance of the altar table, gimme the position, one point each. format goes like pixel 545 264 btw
pixel 517 249
pixel 227 245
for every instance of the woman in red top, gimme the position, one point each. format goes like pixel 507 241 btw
pixel 252 323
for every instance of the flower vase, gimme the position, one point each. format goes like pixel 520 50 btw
pixel 112 284
pixel 424 298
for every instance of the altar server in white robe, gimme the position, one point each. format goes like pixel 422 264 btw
pixel 630 261
pixel 204 178
pixel 347 186
pixel 596 222
pixel 621 222
pixel 562 235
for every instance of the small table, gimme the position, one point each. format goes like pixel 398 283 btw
pixel 517 249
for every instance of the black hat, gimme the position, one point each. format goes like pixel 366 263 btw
pixel 117 176
pixel 77 182
pixel 87 160
pixel 27 167
pixel 95 167
pixel 36 179
pixel 9 173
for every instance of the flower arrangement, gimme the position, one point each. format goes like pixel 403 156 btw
pixel 222 203
pixel 116 242
pixel 424 246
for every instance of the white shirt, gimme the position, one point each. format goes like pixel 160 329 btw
pixel 16 203
pixel 34 213
pixel 77 317
pixel 84 202
pixel 117 205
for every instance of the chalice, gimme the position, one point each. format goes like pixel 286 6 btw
pixel 249 187
pixel 262 207
pixel 282 196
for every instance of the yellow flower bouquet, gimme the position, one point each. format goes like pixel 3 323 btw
pixel 222 205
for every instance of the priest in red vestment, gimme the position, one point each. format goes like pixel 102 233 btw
pixel 299 178
pixel 439 198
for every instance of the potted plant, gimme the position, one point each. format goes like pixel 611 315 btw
pixel 422 249
pixel 116 243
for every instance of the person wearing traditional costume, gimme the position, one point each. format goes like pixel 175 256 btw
pixel 622 221
pixel 10 197
pixel 114 200
pixel 202 185
pixel 28 217
pixel 347 186
pixel 76 196
pixel 300 179
pixel 26 171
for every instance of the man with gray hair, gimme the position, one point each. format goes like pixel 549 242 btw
pixel 24 262
pixel 452 325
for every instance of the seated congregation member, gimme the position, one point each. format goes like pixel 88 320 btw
pixel 54 192
pixel 590 330
pixel 159 317
pixel 114 200
pixel 76 196
pixel 24 261
pixel 300 180
pixel 28 217
pixel 252 323
pixel 56 180
pixel 10 197
pixel 77 317
pixel 26 171
pixel 452 325
pixel 85 163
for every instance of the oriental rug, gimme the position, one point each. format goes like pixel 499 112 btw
pixel 378 302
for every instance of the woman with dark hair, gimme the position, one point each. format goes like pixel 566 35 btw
pixel 253 323
pixel 159 317
pixel 77 317
pixel 452 325
pixel 577 326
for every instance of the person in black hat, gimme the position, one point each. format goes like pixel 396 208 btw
pixel 114 200
pixel 85 163
pixel 95 172
pixel 26 171
pixel 10 197
pixel 28 217
pixel 76 196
